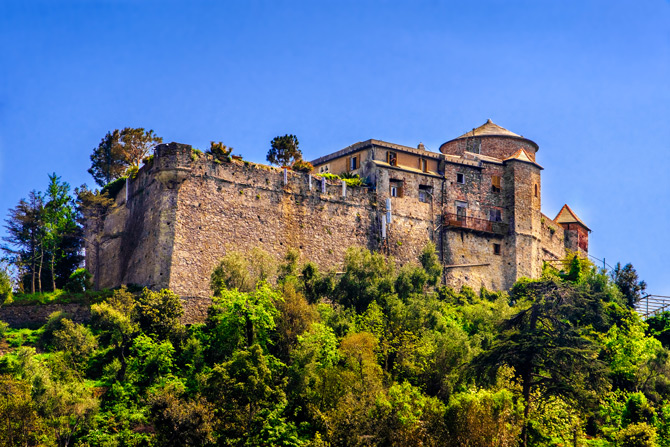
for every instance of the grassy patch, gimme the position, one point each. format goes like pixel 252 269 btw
pixel 23 337
pixel 58 297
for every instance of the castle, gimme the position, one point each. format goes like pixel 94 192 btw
pixel 478 200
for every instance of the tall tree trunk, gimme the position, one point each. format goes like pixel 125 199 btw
pixel 39 270
pixel 53 270
pixel 33 255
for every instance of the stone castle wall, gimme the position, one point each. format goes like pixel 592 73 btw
pixel 184 211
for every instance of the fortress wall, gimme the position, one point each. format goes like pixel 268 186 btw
pixel 136 242
pixel 553 240
pixel 238 206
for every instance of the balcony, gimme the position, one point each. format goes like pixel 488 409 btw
pixel 452 220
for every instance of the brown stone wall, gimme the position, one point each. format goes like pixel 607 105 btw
pixel 186 211
pixel 36 315
pixel 498 147
pixel 237 206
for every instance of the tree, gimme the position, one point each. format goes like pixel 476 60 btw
pixel 25 235
pixel 63 236
pixel 547 345
pixel 629 283
pixel 284 151
pixel 179 421
pixel 120 150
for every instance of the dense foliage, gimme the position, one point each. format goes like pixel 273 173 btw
pixel 119 151
pixel 284 151
pixel 373 355
pixel 44 239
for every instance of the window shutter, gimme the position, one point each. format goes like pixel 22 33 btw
pixel 495 180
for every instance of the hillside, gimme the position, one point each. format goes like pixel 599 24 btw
pixel 373 355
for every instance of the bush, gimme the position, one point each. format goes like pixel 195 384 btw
pixel 5 287
pixel 302 166
pixel 220 151
pixel 79 281
pixel 3 329
pixel 637 435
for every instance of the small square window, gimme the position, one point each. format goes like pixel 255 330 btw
pixel 396 188
pixel 474 145
pixel 425 193
pixel 392 158
pixel 495 215
pixel 460 177
pixel 495 183
pixel 496 249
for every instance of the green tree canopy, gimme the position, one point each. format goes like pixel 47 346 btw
pixel 284 151
pixel 120 150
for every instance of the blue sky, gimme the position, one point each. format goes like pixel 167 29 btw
pixel 587 80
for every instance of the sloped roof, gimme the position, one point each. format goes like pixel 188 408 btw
pixel 566 215
pixel 522 155
pixel 489 128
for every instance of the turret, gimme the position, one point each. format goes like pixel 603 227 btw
pixel 576 231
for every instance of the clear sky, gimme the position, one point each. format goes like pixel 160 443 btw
pixel 589 81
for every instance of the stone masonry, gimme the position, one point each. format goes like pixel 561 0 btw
pixel 478 201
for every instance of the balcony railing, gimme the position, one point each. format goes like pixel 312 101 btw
pixel 452 220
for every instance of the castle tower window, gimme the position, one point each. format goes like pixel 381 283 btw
pixel 392 158
pixel 474 145
pixel 461 210
pixel 353 163
pixel 496 249
pixel 460 177
pixel 396 188
pixel 495 183
pixel 423 165
pixel 536 193
pixel 425 193
pixel 495 215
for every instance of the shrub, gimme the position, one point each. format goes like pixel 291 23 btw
pixel 3 329
pixel 637 435
pixel 112 188
pixel 302 166
pixel 5 287
pixel 220 151
pixel 79 281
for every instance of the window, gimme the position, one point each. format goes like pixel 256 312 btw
pixel 495 183
pixel 396 188
pixel 536 194
pixel 353 163
pixel 324 168
pixel 425 193
pixel 423 164
pixel 460 177
pixel 392 158
pixel 496 249
pixel 474 145
pixel 495 215
pixel 461 210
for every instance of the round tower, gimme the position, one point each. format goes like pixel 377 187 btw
pixel 490 140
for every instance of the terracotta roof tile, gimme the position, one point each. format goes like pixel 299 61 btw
pixel 489 129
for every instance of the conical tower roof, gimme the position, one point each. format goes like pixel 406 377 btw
pixel 489 128
pixel 566 215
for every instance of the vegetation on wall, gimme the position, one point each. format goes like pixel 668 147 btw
pixel 284 151
pixel 120 150
pixel 373 355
